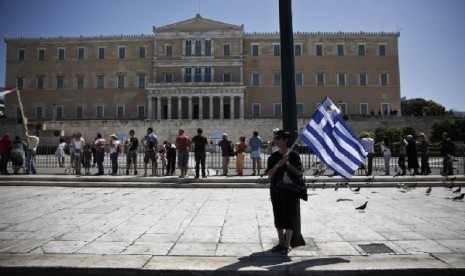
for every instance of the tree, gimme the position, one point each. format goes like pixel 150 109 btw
pixel 421 107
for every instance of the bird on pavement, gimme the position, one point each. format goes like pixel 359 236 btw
pixel 460 197
pixel 458 190
pixel 336 187
pixel 428 191
pixel 450 178
pixel 362 207
pixel 357 190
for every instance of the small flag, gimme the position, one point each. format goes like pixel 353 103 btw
pixel 6 90
pixel 333 141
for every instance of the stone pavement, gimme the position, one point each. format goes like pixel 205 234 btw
pixel 224 225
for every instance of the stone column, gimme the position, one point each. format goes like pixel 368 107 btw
pixel 241 107
pixel 190 107
pixel 179 107
pixel 221 107
pixel 159 108
pixel 169 108
pixel 149 107
pixel 200 107
pixel 211 108
pixel 232 108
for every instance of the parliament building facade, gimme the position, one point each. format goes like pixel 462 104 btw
pixel 199 69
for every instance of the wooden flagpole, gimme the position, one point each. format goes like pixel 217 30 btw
pixel 22 110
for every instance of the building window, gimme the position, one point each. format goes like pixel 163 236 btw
pixel 20 83
pixel 101 52
pixel 361 49
pixel 142 82
pixel 121 52
pixel 364 108
pixel 208 48
pixel 227 50
pixel 385 109
pixel 208 74
pixel 41 54
pixel 79 112
pixel 40 82
pixel 255 50
pixel 120 111
pixel 58 112
pixel 256 110
pixel 100 81
pixel 198 75
pixel 299 79
pixel 39 112
pixel 81 53
pixel 227 77
pixel 21 54
pixel 80 82
pixel 168 50
pixel 121 81
pixel 255 79
pixel 60 82
pixel 383 79
pixel 319 49
pixel 340 49
pixel 362 78
pixel 277 78
pixel 188 48
pixel 140 111
pixel 300 110
pixel 61 54
pixel 142 51
pixel 187 75
pixel 343 108
pixel 277 110
pixel 198 48
pixel 99 111
pixel 297 50
pixel 168 77
pixel 320 79
pixel 382 49
pixel 341 79
pixel 276 50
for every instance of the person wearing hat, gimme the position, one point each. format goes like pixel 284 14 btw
pixel 272 143
pixel 226 152
pixel 99 145
pixel 4 153
pixel 132 144
pixel 114 144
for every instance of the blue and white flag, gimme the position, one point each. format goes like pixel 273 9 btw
pixel 333 141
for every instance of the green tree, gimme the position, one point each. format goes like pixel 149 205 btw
pixel 421 107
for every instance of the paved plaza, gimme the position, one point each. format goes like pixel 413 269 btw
pixel 148 230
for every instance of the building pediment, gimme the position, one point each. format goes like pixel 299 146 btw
pixel 198 24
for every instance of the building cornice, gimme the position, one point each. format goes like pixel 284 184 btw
pixel 323 34
pixel 77 38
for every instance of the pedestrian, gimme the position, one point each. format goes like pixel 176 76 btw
pixel 402 155
pixel 448 153
pixel 241 147
pixel 183 143
pixel 412 156
pixel 132 145
pixel 225 146
pixel 150 143
pixel 424 149
pixel 369 145
pixel 285 203
pixel 200 144
pixel 60 152
pixel 162 153
pixel 386 150
pixel 32 144
pixel 99 145
pixel 272 143
pixel 17 154
pixel 86 158
pixel 256 143
pixel 78 146
pixel 114 150
pixel 170 149
pixel 5 143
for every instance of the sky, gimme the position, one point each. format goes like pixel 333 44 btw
pixel 431 42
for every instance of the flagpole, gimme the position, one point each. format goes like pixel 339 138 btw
pixel 21 108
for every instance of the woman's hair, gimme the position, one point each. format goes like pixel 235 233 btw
pixel 284 135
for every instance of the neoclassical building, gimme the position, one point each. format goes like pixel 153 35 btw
pixel 199 69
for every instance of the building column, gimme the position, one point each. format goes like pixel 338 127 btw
pixel 241 75
pixel 179 107
pixel 190 107
pixel 149 107
pixel 158 108
pixel 241 107
pixel 211 108
pixel 200 107
pixel 232 108
pixel 169 108
pixel 221 107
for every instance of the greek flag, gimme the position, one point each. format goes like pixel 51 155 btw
pixel 333 141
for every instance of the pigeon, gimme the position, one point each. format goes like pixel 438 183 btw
pixel 362 207
pixel 357 190
pixel 460 197
pixel 370 179
pixel 336 187
pixel 324 185
pixel 458 190
pixel 450 178
pixel 428 191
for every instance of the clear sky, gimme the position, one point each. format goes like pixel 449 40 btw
pixel 431 43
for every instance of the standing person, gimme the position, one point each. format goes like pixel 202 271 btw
pixel 240 155
pixel 225 146
pixel 412 157
pixel 86 158
pixel 284 202
pixel 114 151
pixel 170 149
pixel 60 152
pixel 424 149
pixel 272 143
pixel 17 154
pixel 99 145
pixel 183 143
pixel 402 154
pixel 200 144
pixel 447 152
pixel 71 151
pixel 386 149
pixel 4 153
pixel 256 143
pixel 132 144
pixel 150 143
pixel 32 144
pixel 78 145
pixel 369 145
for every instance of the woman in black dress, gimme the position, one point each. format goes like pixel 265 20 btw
pixel 284 202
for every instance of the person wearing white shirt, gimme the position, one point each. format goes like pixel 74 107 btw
pixel 368 144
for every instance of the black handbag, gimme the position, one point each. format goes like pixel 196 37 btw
pixel 291 182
